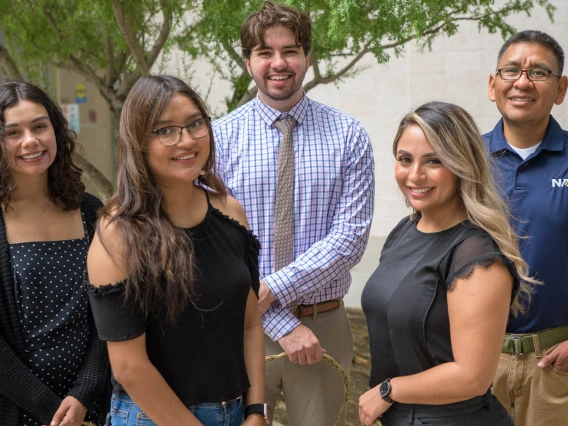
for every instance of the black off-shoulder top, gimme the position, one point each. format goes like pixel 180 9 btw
pixel 201 354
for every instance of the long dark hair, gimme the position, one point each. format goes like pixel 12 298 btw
pixel 159 258
pixel 64 175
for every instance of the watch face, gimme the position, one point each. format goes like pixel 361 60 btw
pixel 384 389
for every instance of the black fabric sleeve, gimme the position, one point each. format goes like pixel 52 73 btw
pixel 117 318
pixel 481 250
pixel 23 388
pixel 91 206
pixel 251 260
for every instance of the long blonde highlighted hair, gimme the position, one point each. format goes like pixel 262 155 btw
pixel 455 138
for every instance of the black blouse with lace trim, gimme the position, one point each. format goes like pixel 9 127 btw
pixel 201 354
pixel 405 299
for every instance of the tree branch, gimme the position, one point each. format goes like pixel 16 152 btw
pixel 101 185
pixel 110 75
pixel 127 83
pixel 125 29
pixel 106 92
pixel 52 21
pixel 325 80
pixel 315 64
pixel 235 56
pixel 251 93
pixel 8 65
pixel 409 38
pixel 162 37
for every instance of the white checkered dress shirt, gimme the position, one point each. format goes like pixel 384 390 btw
pixel 333 198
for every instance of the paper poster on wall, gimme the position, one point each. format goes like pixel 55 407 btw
pixel 80 94
pixel 71 113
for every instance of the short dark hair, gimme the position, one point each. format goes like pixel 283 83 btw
pixel 64 175
pixel 539 37
pixel 269 15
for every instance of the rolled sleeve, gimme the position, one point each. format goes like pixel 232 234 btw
pixel 279 321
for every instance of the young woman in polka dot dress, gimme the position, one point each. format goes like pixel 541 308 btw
pixel 53 367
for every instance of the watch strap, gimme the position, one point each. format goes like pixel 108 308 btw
pixel 256 409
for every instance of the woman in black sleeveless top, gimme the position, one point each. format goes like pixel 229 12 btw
pixel 438 303
pixel 53 367
pixel 173 272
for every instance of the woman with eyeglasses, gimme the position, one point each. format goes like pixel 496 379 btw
pixel 173 272
pixel 438 303
pixel 53 368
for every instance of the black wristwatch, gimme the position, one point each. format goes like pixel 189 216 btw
pixel 257 409
pixel 385 390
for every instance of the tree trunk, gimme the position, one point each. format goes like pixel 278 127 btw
pixel 102 186
pixel 8 65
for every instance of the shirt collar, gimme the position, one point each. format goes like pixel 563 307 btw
pixel 553 138
pixel 270 115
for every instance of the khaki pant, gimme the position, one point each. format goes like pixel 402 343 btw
pixel 313 393
pixel 539 396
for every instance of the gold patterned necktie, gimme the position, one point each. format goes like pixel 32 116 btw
pixel 283 229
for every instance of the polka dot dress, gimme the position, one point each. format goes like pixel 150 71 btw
pixel 53 308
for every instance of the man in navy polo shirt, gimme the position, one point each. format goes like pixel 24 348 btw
pixel 530 152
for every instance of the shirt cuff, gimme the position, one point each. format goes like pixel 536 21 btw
pixel 278 322
pixel 279 284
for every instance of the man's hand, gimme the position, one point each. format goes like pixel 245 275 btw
pixel 265 297
pixel 302 346
pixel 71 413
pixel 558 358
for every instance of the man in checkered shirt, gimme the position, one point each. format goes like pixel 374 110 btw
pixel 301 303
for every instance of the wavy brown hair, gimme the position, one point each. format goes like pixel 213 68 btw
pixel 64 175
pixel 269 15
pixel 159 255
pixel 455 138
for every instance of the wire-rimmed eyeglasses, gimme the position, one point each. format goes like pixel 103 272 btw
pixel 170 136
pixel 533 74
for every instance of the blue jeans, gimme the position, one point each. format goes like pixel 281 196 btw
pixel 125 412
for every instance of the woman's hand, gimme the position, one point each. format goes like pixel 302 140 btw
pixel 371 406
pixel 70 413
pixel 254 420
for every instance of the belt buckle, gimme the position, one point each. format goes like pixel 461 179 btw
pixel 230 400
pixel 517 345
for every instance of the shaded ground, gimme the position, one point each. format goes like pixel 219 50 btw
pixel 360 368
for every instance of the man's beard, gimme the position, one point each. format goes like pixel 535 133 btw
pixel 280 96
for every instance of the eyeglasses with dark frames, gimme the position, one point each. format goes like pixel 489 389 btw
pixel 170 135
pixel 533 74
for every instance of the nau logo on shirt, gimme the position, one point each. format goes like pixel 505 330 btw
pixel 557 183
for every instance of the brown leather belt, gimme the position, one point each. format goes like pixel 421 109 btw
pixel 317 308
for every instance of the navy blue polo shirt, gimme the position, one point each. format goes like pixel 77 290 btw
pixel 536 190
